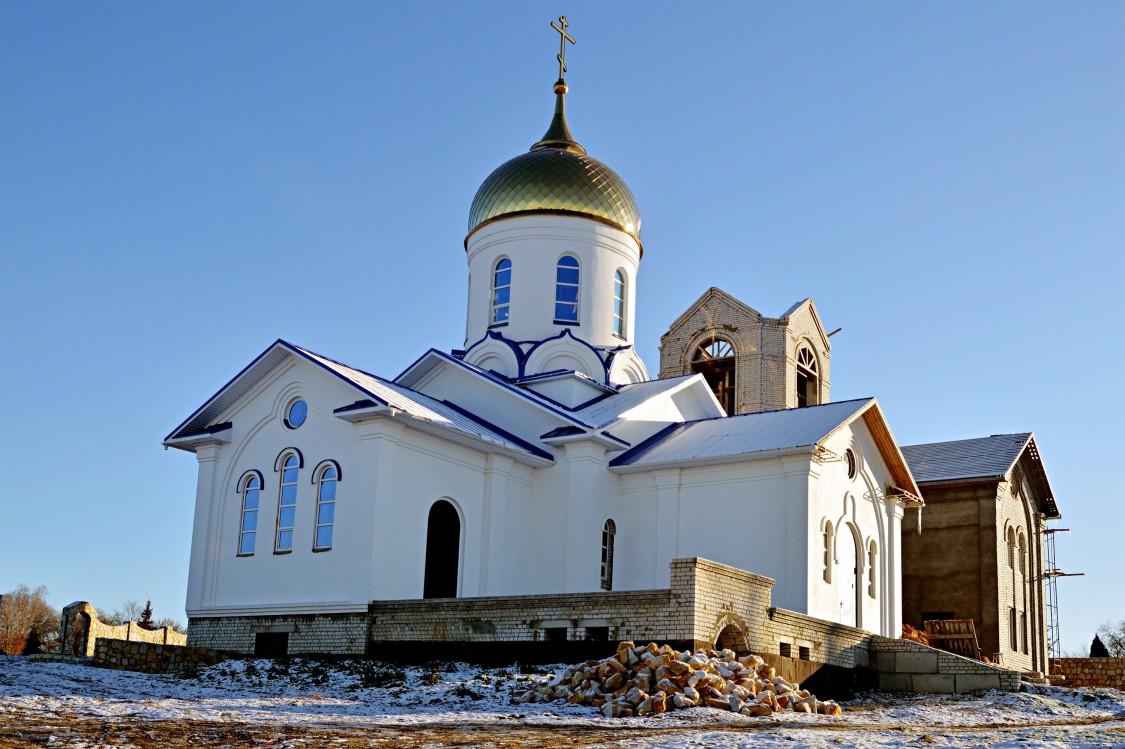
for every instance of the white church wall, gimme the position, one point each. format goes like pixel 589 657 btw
pixel 858 512
pixel 218 577
pixel 534 244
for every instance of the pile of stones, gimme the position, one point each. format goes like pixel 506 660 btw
pixel 652 679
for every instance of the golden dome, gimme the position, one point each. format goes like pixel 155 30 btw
pixel 556 176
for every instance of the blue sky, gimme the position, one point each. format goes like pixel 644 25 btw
pixel 183 183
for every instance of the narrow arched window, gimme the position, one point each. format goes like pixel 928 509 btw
pixel 807 391
pixel 829 535
pixel 325 508
pixel 248 526
pixel 1021 553
pixel 619 303
pixel 566 290
pixel 609 530
pixel 287 504
pixel 501 291
pixel 1011 548
pixel 872 563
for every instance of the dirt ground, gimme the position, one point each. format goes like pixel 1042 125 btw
pixel 22 728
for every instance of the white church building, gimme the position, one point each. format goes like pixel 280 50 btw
pixel 537 484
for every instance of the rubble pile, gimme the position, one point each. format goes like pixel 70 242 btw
pixel 652 679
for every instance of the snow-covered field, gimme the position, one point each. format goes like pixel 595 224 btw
pixel 304 703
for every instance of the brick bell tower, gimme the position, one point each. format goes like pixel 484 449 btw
pixel 752 362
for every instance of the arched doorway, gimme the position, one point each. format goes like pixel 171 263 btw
pixel 443 551
pixel 848 580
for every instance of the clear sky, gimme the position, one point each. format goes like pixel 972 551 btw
pixel 183 183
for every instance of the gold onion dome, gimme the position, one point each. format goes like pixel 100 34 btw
pixel 556 177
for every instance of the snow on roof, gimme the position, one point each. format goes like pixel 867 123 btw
pixel 606 410
pixel 745 434
pixel 413 404
pixel 983 457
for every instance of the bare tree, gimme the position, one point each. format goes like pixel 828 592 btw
pixel 170 622
pixel 130 611
pixel 23 610
pixel 1112 635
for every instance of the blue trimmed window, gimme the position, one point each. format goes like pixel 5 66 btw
pixel 287 504
pixel 248 527
pixel 619 303
pixel 325 509
pixel 566 290
pixel 501 292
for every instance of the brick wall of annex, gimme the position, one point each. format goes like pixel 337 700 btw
pixel 1089 672
pixel 327 634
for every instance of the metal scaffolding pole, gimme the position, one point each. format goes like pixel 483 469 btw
pixel 1052 573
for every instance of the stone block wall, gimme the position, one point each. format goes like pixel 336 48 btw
pixel 1089 672
pixel 625 615
pixel 81 628
pixel 907 666
pixel 151 658
pixel 308 634
pixel 827 642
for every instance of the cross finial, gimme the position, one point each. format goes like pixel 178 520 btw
pixel 563 39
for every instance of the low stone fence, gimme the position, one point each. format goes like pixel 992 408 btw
pixel 908 666
pixel 1089 672
pixel 81 628
pixel 150 658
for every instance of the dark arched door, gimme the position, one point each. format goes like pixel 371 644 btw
pixel 443 551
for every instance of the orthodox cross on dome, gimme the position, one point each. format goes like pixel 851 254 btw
pixel 563 39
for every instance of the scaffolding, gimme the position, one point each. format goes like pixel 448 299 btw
pixel 1051 574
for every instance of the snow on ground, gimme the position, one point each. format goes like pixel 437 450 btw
pixel 303 693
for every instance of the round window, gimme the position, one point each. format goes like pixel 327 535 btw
pixel 297 413
pixel 849 456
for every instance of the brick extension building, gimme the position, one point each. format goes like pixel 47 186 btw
pixel 980 555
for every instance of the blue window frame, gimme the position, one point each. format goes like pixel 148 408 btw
pixel 248 527
pixel 296 414
pixel 501 292
pixel 619 303
pixel 566 290
pixel 325 509
pixel 287 504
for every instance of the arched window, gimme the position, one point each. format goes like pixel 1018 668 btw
pixel 566 290
pixel 849 458
pixel 501 291
pixel 325 508
pixel 807 391
pixel 251 491
pixel 714 359
pixel 829 536
pixel 287 504
pixel 608 533
pixel 1021 553
pixel 1012 548
pixel 872 563
pixel 619 303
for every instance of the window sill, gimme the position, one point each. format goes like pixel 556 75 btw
pixel 318 551
pixel 278 552
pixel 498 325
pixel 566 322
pixel 620 337
pixel 244 555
